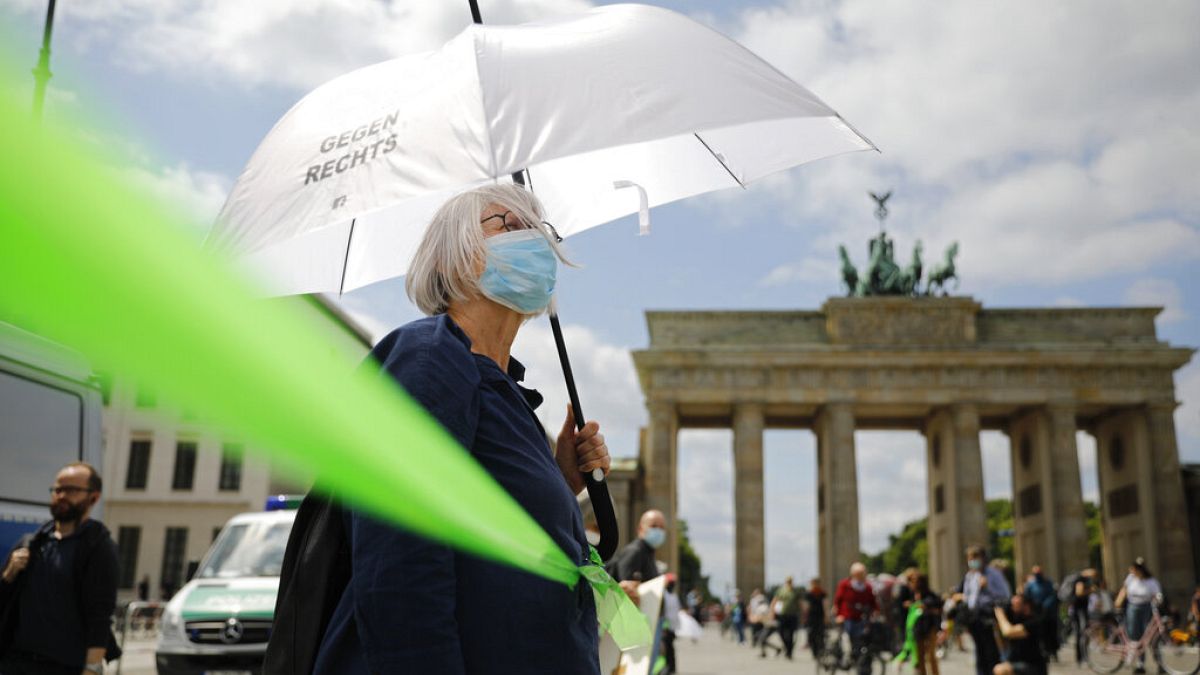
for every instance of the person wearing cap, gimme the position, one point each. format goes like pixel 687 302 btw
pixel 1137 595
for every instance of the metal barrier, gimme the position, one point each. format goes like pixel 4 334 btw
pixel 138 620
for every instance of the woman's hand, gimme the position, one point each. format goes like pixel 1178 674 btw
pixel 579 452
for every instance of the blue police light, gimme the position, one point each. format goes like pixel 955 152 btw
pixel 283 502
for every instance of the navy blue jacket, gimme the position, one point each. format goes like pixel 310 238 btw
pixel 415 606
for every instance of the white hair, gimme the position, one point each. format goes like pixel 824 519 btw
pixel 445 267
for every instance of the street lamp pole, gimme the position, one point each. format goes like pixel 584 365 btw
pixel 41 73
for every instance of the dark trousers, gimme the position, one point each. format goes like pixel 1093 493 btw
pixel 668 645
pixel 26 664
pixel 987 654
pixel 1079 620
pixel 816 637
pixel 787 631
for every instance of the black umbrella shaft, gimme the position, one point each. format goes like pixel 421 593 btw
pixel 602 506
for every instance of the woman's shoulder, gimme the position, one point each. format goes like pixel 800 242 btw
pixel 433 344
pixel 429 335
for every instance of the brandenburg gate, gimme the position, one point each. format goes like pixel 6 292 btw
pixel 948 368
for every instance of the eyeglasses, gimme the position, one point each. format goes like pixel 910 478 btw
pixel 68 490
pixel 519 225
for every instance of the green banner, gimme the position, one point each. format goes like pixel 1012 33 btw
pixel 93 263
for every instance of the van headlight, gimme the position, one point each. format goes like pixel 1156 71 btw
pixel 172 627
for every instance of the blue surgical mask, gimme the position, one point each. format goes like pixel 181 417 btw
pixel 520 271
pixel 975 563
pixel 655 536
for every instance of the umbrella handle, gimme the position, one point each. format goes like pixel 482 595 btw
pixel 597 487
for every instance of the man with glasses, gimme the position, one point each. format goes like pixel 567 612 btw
pixel 58 588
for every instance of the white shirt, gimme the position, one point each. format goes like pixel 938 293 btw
pixel 1141 591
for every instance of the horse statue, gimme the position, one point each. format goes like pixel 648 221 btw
pixel 944 273
pixel 849 273
pixel 910 279
pixel 869 280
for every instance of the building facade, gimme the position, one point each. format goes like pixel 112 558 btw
pixel 172 481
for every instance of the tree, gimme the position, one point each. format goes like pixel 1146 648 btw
pixel 689 566
pixel 1095 535
pixel 910 548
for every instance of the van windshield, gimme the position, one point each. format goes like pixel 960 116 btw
pixel 248 550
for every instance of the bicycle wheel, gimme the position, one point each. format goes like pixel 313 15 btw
pixel 1105 648
pixel 833 656
pixel 1178 652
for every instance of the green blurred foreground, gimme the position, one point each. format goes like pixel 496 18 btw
pixel 89 261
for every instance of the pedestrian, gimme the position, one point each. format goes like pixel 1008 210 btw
pixel 760 611
pixel 143 589
pixel 854 601
pixel 786 605
pixel 694 600
pixel 671 609
pixel 485 265
pixel 1041 593
pixel 1194 609
pixel 815 617
pixel 925 630
pixel 984 589
pixel 1137 595
pixel 1021 628
pixel 738 614
pixel 1079 612
pixel 59 586
pixel 635 563
pixel 902 600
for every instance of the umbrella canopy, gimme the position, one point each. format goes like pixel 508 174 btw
pixel 611 111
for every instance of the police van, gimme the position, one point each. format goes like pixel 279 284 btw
pixel 220 621
pixel 50 406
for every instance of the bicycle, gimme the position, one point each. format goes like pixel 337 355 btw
pixel 1176 651
pixel 863 656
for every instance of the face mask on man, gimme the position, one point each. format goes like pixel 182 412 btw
pixel 655 536
pixel 520 271
pixel 975 564
pixel 858 584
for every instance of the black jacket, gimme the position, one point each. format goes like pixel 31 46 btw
pixel 634 562
pixel 94 572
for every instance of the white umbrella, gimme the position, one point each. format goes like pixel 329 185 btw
pixel 612 111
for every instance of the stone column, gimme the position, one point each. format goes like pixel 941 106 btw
pixel 659 477
pixel 968 465
pixel 750 557
pixel 1170 507
pixel 957 514
pixel 1126 491
pixel 837 480
pixel 1066 517
pixel 1047 497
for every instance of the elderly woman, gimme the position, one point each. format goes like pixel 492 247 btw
pixel 486 265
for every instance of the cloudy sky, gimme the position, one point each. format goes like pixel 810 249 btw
pixel 1056 142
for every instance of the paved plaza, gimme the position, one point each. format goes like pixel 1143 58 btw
pixel 712 655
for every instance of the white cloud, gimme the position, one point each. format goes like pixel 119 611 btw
pixel 998 130
pixel 296 44
pixel 1158 293
pixel 1187 416
pixel 193 194
pixel 604 375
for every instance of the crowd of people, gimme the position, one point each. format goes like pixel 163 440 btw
pixel 1014 631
